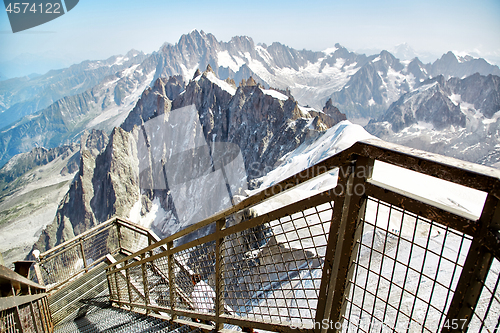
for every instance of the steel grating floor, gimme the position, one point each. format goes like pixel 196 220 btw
pixel 99 316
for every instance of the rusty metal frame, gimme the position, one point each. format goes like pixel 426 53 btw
pixel 341 247
pixel 78 244
pixel 343 236
pixel 346 236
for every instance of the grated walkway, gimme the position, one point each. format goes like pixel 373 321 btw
pixel 99 316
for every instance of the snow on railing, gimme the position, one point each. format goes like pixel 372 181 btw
pixel 367 255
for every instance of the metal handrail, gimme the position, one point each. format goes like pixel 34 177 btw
pixel 68 260
pixel 24 307
pixel 345 244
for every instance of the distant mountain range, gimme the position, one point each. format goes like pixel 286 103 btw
pixel 58 106
pixel 454 117
pixel 264 125
pixel 273 102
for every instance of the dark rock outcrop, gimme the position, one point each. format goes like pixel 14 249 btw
pixel 263 127
pixel 75 214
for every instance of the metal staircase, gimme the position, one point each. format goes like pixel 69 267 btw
pixel 99 316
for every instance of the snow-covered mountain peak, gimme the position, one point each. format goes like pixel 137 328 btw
pixel 404 52
pixel 330 50
pixel 222 84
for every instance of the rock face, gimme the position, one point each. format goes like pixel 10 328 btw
pixel 154 101
pixel 74 214
pixel 264 127
pixel 454 117
pixel 382 79
pixel 429 104
pixel 263 124
pixel 450 65
pixel 442 103
pixel 102 107
pixel 25 162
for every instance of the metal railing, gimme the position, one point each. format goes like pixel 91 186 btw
pixel 364 256
pixel 23 304
pixel 28 313
pixel 86 251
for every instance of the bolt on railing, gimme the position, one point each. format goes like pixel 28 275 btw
pixel 364 256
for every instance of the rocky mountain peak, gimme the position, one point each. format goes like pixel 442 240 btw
pixel 195 43
pixel 208 70
pixel 241 43
pixel 390 61
pixel 449 57
pixel 231 82
pixel 94 141
pixel 333 112
pixel 250 82
pixel 197 73
pixel 154 101
pixel 133 53
pixel 457 103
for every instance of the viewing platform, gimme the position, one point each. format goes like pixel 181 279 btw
pixel 368 255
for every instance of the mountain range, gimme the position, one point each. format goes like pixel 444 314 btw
pixel 95 122
pixel 99 94
pixel 454 117
pixel 263 125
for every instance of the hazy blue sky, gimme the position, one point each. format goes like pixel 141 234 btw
pixel 98 29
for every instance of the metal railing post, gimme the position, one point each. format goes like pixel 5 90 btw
pixel 17 319
pixel 38 274
pixel 171 279
pixel 119 234
pixel 40 314
pixel 219 278
pixel 476 268
pixel 83 256
pixel 347 236
pixel 129 287
pixel 43 307
pixel 326 293
pixel 145 284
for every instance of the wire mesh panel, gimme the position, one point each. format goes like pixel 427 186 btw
pixel 195 278
pixel 405 271
pixel 84 252
pixel 158 282
pixel 27 321
pixel 27 317
pixel 99 245
pixel 273 272
pixel 486 317
pixel 131 240
pixel 68 261
pixel 120 281
pixel 62 266
pixel 8 321
pixel 135 284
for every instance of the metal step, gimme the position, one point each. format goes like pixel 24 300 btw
pixel 101 317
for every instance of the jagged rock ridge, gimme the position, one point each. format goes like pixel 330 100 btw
pixel 32 185
pixel 265 124
pixel 361 86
